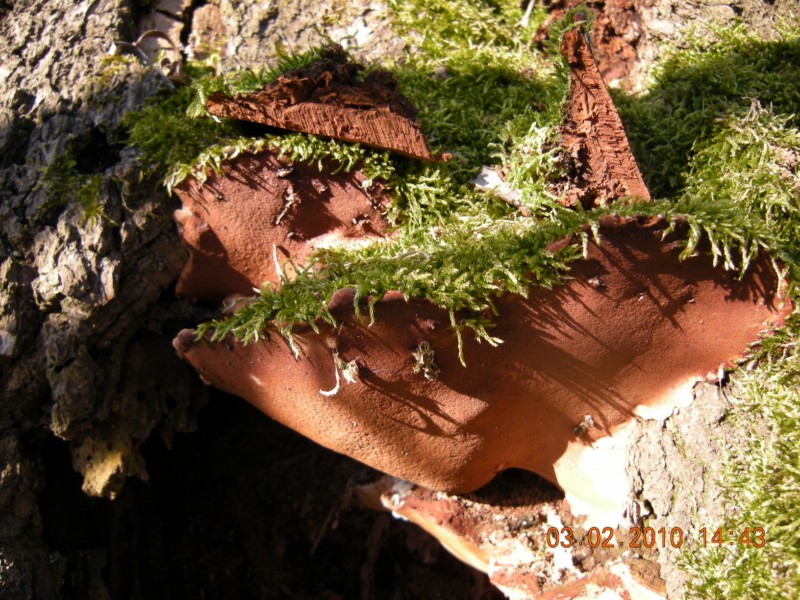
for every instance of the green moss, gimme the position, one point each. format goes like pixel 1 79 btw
pixel 176 137
pixel 166 136
pixel 62 182
pixel 112 68
pixel 751 163
pixel 715 134
pixel 443 264
pixel 489 97
pixel 699 84
pixel 761 483
pixel 478 83
pixel 294 146
pixel 246 81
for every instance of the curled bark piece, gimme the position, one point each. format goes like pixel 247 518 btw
pixel 242 226
pixel 603 167
pixel 630 332
pixel 327 98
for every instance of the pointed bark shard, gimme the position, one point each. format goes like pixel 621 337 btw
pixel 328 98
pixel 603 166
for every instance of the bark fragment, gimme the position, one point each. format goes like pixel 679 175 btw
pixel 329 98
pixel 602 165
pixel 617 31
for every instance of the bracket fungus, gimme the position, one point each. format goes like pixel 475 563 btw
pixel 293 207
pixel 627 335
pixel 630 331
pixel 512 530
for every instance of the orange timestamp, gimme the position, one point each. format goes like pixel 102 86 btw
pixel 649 537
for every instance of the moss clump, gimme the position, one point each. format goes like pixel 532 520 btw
pixel 479 84
pixel 166 136
pixel 62 183
pixel 294 146
pixel 177 138
pixel 761 484
pixel 697 86
pixel 751 164
pixel 112 68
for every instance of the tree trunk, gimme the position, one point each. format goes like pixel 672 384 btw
pixel 87 308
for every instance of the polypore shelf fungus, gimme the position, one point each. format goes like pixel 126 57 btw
pixel 510 530
pixel 632 329
pixel 329 98
pixel 626 336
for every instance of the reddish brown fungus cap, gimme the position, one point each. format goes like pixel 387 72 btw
pixel 505 530
pixel 246 225
pixel 632 327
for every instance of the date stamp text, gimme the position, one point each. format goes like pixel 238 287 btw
pixel 648 537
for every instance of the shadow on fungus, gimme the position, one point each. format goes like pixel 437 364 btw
pixel 629 333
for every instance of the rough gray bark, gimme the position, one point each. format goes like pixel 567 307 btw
pixel 86 311
pixel 664 21
pixel 675 468
pixel 79 298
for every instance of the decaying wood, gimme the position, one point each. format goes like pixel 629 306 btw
pixel 328 98
pixel 616 34
pixel 504 530
pixel 602 165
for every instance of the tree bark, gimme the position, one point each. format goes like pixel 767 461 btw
pixel 86 306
